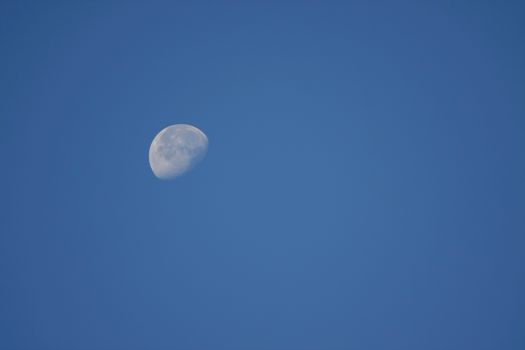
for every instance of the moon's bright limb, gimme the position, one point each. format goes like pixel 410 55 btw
pixel 176 149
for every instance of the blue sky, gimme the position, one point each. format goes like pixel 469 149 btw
pixel 363 187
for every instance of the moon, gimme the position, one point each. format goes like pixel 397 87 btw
pixel 177 149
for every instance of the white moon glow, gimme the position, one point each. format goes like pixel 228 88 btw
pixel 176 149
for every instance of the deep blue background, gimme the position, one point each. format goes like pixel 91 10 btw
pixel 364 186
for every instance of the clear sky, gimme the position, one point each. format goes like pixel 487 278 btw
pixel 363 189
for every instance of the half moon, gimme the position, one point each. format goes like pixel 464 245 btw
pixel 176 150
